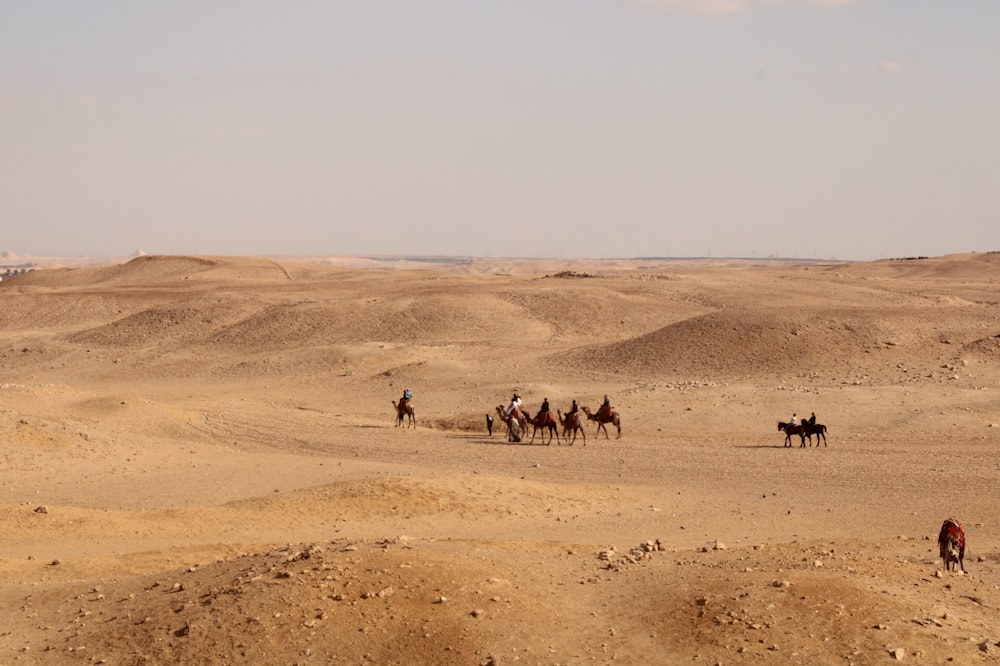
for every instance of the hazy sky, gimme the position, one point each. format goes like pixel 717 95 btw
pixel 849 129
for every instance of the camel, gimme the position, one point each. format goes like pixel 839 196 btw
pixel 571 423
pixel 603 417
pixel 403 410
pixel 546 421
pixel 951 540
pixel 521 421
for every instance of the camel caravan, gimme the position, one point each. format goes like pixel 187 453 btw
pixel 570 423
pixel 516 420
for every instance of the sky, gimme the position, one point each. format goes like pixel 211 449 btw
pixel 832 129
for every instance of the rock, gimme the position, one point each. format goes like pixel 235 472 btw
pixel 41 509
pixel 898 654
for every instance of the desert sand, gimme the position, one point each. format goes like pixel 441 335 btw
pixel 201 463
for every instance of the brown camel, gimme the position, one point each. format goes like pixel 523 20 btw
pixel 403 410
pixel 572 423
pixel 546 421
pixel 519 417
pixel 604 417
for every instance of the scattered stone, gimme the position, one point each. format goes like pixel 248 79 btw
pixel 41 509
pixel 898 654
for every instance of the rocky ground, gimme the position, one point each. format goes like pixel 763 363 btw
pixel 201 463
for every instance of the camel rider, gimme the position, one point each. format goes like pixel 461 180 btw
pixel 407 396
pixel 574 409
pixel 515 405
pixel 605 409
pixel 544 410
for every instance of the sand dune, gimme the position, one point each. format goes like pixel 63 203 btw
pixel 201 464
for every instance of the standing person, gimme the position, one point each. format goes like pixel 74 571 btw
pixel 489 424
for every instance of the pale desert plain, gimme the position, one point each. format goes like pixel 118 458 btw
pixel 201 464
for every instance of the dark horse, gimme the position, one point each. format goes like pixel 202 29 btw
pixel 817 429
pixel 790 430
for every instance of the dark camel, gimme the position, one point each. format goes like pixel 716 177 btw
pixel 572 423
pixel 604 417
pixel 403 410
pixel 546 421
pixel 519 417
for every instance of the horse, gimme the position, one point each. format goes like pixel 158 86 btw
pixel 817 429
pixel 571 423
pixel 403 410
pixel 605 416
pixel 951 541
pixel 789 430
pixel 513 434
pixel 546 421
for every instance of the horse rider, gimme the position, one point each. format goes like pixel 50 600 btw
pixel 544 410
pixel 794 420
pixel 812 419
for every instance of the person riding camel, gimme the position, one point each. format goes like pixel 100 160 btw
pixel 515 406
pixel 544 410
pixel 605 410
pixel 574 409
pixel 407 396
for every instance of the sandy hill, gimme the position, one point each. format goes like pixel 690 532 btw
pixel 202 464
